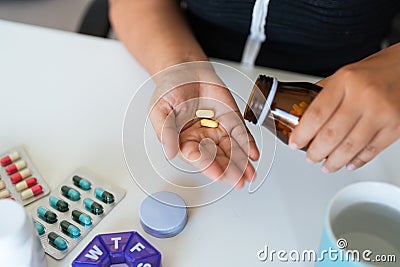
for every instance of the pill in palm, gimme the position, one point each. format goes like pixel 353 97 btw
pixel 205 113
pixel 208 123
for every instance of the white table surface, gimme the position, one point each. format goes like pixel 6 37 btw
pixel 64 97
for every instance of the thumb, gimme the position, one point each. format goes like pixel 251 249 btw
pixel 322 82
pixel 163 121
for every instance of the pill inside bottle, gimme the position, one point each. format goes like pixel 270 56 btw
pixel 279 106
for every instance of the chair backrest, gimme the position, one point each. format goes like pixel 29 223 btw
pixel 95 21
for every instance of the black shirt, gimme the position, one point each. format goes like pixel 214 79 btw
pixel 308 36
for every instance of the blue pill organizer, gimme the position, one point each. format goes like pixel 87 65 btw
pixel 117 248
pixel 78 207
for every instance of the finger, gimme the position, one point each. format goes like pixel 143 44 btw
pixel 322 82
pixel 236 128
pixel 249 172
pixel 236 155
pixel 319 111
pixel 358 138
pixel 232 174
pixel 332 133
pixel 228 155
pixel 211 161
pixel 382 140
pixel 228 113
pixel 202 156
pixel 185 112
pixel 246 141
pixel 162 118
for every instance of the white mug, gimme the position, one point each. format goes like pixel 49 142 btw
pixel 362 227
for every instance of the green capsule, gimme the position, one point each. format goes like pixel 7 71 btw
pixel 104 196
pixel 70 193
pixel 46 215
pixel 57 241
pixel 93 206
pixel 81 183
pixel 58 204
pixel 70 229
pixel 39 228
pixel 81 218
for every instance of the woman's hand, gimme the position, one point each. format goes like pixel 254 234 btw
pixel 355 116
pixel 220 153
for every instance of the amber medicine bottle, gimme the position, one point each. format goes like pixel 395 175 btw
pixel 278 106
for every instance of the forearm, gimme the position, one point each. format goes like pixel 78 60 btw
pixel 154 32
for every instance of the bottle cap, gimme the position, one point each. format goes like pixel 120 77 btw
pixel 163 214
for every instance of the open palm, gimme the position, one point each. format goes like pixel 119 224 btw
pixel 220 153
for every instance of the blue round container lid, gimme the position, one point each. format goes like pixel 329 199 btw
pixel 163 214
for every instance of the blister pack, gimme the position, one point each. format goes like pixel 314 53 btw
pixel 20 180
pixel 73 209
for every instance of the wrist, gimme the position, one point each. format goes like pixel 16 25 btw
pixel 175 58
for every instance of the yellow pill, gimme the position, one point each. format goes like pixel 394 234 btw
pixel 303 104
pixel 205 113
pixel 209 123
pixel 297 108
pixel 2 185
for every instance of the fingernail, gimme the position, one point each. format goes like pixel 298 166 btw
pixel 351 167
pixel 293 146
pixel 309 160
pixel 325 170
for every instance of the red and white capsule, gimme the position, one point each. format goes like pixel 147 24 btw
pixel 17 166
pixel 31 192
pixel 26 184
pixel 9 158
pixel 5 193
pixel 2 185
pixel 19 176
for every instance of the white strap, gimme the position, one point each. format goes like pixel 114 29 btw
pixel 268 103
pixel 257 32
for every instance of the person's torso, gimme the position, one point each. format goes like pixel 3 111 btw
pixel 304 21
pixel 330 25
